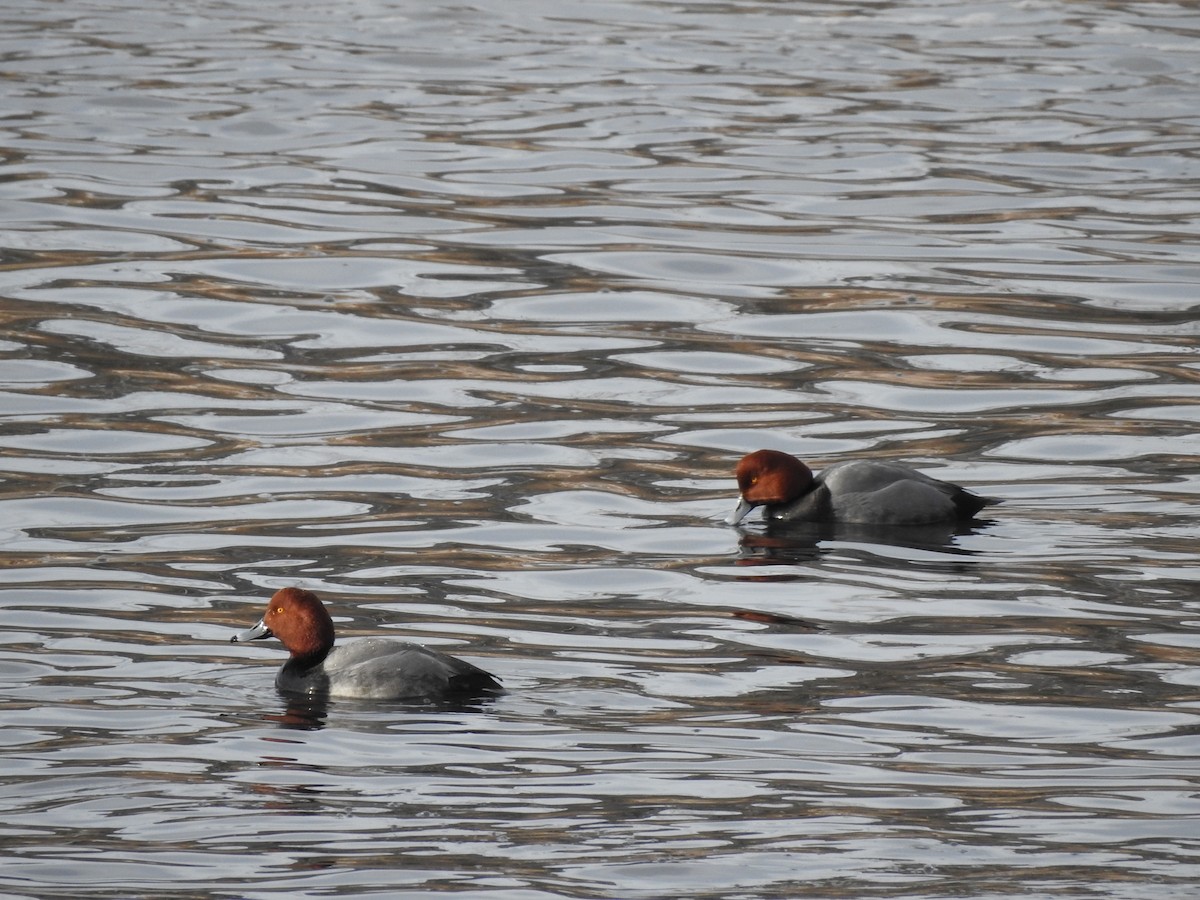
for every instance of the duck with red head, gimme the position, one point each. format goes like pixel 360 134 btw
pixel 369 668
pixel 861 492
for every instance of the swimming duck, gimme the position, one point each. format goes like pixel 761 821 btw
pixel 370 668
pixel 863 492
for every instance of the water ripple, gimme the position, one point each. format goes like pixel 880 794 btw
pixel 462 317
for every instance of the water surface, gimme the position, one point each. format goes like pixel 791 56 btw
pixel 461 316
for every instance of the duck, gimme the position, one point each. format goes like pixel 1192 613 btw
pixel 366 668
pixel 861 492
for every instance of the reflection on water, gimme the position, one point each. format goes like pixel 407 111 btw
pixel 796 542
pixel 461 317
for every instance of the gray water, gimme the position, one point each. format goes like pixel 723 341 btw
pixel 461 316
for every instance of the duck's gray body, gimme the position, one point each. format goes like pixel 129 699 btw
pixel 382 669
pixel 870 492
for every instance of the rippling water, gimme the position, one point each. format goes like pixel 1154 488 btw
pixel 461 315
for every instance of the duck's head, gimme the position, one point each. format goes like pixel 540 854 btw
pixel 298 619
pixel 768 478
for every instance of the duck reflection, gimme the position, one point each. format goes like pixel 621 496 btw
pixel 791 543
pixel 310 712
pixel 306 712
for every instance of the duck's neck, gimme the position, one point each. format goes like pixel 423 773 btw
pixel 300 663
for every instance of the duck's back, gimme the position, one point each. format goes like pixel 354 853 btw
pixel 382 669
pixel 884 493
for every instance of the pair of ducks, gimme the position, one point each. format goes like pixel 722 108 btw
pixel 861 492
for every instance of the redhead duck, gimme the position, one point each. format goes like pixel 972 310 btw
pixel 863 492
pixel 370 668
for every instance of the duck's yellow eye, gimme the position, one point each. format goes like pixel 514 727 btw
pixel 279 610
pixel 754 479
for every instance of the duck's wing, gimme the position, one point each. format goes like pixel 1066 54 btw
pixel 385 669
pixel 885 493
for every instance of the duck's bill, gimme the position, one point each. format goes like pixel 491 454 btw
pixel 258 632
pixel 739 512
